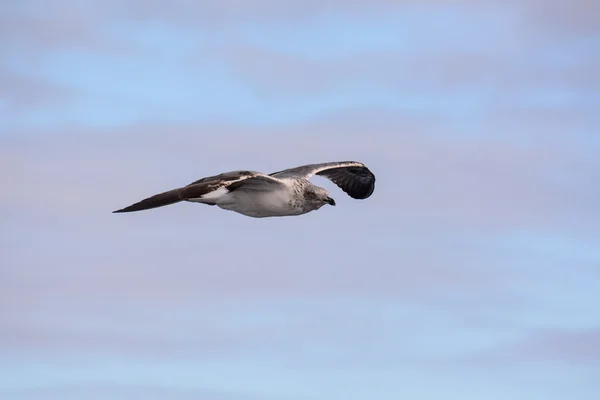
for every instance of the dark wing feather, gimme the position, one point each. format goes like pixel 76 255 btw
pixel 357 182
pixel 194 190
pixel 203 186
pixel 226 177
pixel 158 200
pixel 352 177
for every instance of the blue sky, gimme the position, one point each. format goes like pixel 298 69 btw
pixel 472 272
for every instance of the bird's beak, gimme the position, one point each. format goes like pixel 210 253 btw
pixel 330 201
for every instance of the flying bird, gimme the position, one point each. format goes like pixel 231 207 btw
pixel 254 194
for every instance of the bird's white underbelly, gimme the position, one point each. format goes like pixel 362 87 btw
pixel 259 204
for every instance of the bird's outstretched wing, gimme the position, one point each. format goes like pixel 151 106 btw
pixel 247 180
pixel 352 177
pixel 207 190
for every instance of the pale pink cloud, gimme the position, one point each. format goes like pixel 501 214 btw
pixel 68 22
pixel 551 345
pixel 22 94
pixel 61 23
pixel 159 271
pixel 578 17
pixel 264 10
pixel 520 67
pixel 548 16
pixel 29 29
pixel 121 391
pixel 137 332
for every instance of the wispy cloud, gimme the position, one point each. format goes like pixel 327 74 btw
pixel 551 345
pixel 124 391
pixel 22 94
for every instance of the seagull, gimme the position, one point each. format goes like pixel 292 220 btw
pixel 254 194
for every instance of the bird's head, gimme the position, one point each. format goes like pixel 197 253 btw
pixel 321 197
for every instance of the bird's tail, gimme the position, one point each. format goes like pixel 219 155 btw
pixel 158 200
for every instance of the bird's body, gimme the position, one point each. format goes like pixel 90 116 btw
pixel 280 200
pixel 258 195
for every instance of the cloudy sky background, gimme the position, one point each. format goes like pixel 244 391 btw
pixel 473 272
